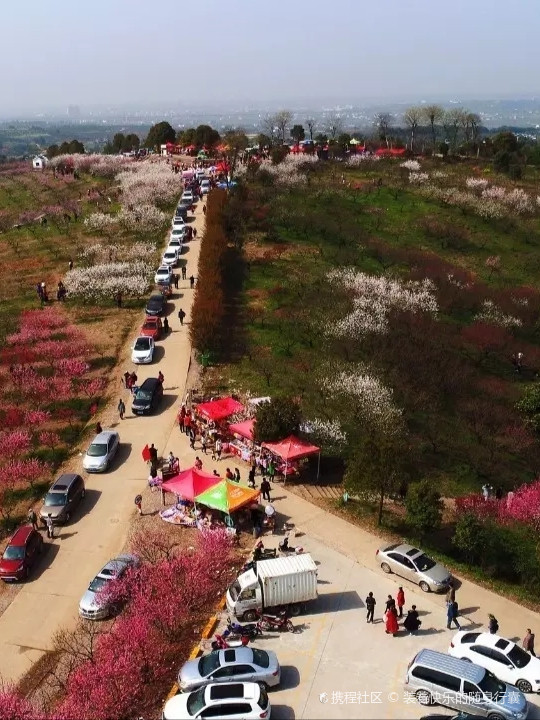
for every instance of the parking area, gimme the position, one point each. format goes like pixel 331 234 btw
pixel 336 665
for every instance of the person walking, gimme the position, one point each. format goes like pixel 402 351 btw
pixel 32 518
pixel 452 614
pixel 204 442
pixel 184 272
pixel 166 327
pixel 161 377
pixel 265 489
pixel 218 448
pixel 121 408
pixel 181 316
pixel 251 478
pixel 370 606
pixel 191 281
pixel 192 436
pixel 493 625
pixel 187 423
pixel 271 469
pixel 138 503
pixel 152 451
pixel 133 380
pixel 391 623
pixel 400 601
pixel 389 602
pixel 175 280
pixel 236 475
pixel 126 380
pixel 50 526
pixel 528 642
pixel 451 592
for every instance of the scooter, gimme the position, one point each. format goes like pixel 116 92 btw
pixel 223 643
pixel 276 622
pixel 286 549
pixel 251 630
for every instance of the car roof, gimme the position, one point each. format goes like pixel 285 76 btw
pixel 235 655
pixel 490 640
pixel 163 267
pixel 152 320
pixel 116 565
pixel 63 482
pixel 439 661
pixel 408 550
pixel 156 296
pixel 149 382
pixel 21 535
pixel 229 692
pixel 104 436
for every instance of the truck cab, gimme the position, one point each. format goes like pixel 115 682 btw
pixel 244 596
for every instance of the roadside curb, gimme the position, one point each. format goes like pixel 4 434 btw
pixel 197 650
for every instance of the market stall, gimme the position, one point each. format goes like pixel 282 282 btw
pixel 290 451
pixel 218 410
pixel 186 486
pixel 241 443
pixel 228 498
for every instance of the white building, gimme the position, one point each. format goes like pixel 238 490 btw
pixel 39 162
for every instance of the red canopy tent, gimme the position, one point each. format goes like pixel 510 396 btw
pixel 190 483
pixel 245 429
pixel 293 448
pixel 219 409
pixel 390 152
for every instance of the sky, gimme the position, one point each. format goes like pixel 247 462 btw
pixel 233 53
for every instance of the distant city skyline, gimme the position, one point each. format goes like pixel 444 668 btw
pixel 245 55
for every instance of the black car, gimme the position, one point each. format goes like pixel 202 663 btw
pixel 147 397
pixel 156 305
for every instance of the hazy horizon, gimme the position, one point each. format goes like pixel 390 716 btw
pixel 210 56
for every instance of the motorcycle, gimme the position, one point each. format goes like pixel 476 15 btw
pixel 226 641
pixel 259 553
pixel 276 622
pixel 251 630
pixel 286 549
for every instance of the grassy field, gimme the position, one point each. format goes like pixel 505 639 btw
pixel 454 380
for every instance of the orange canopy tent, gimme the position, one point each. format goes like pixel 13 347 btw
pixel 244 429
pixel 190 483
pixel 227 496
pixel 293 448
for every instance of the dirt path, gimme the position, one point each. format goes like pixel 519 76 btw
pixel 50 599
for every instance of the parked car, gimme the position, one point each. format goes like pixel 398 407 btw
pixel 152 327
pixel 170 257
pixel 94 604
pixel 156 304
pixel 187 197
pixel 21 554
pixel 433 677
pixel 178 232
pixel 411 563
pixel 502 657
pixel 102 450
pixel 236 664
pixel 205 186
pixel 142 351
pixel 63 497
pixel 147 397
pixel 165 287
pixel 163 272
pixel 176 244
pixel 234 701
pixel 178 223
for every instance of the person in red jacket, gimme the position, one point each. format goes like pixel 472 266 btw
pixel 391 623
pixel 400 601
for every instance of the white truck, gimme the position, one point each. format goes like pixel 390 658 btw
pixel 280 582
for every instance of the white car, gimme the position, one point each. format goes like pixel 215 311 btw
pixel 231 701
pixel 178 233
pixel 502 657
pixel 142 351
pixel 175 244
pixel 94 604
pixel 178 223
pixel 205 187
pixel 170 257
pixel 232 665
pixel 163 274
pixel 188 197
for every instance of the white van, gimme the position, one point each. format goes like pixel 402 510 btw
pixel 436 678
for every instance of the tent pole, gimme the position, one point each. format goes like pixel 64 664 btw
pixel 319 465
pixel 285 476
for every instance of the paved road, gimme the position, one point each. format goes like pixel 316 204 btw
pixel 49 601
pixel 338 666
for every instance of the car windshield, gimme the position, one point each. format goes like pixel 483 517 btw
pixel 142 344
pixel 13 552
pixel 163 271
pixel 423 563
pixel 97 450
pixel 97 584
pixel 195 702
pixel 149 325
pixel 54 499
pixel 235 590
pixel 261 657
pixel 209 663
pixel 491 686
pixel 519 657
pixel 144 395
pixel 170 254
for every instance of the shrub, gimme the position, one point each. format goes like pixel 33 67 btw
pixel 424 507
pixel 276 420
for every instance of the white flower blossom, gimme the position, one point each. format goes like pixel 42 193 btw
pixel 476 183
pixel 362 158
pixel 329 431
pixel 411 165
pixel 376 296
pixel 104 280
pixel 418 178
pixel 492 314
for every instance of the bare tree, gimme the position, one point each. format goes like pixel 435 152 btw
pixel 334 126
pixel 269 127
pixel 433 114
pixel 412 117
pixel 311 124
pixel 453 120
pixel 282 120
pixel 383 122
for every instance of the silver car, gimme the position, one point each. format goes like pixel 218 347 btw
pixel 245 664
pixel 94 604
pixel 411 563
pixel 102 450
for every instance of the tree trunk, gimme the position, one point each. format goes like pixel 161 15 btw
pixel 381 502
